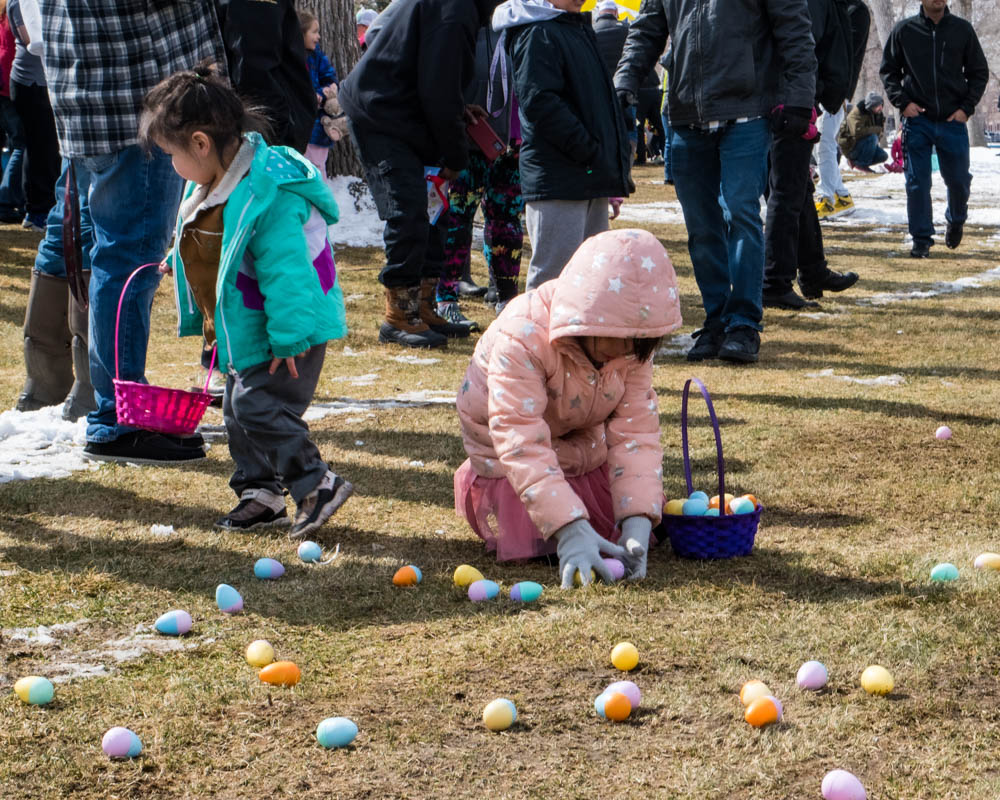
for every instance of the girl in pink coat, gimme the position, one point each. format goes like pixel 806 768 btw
pixel 559 416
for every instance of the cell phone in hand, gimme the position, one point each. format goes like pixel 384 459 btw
pixel 486 139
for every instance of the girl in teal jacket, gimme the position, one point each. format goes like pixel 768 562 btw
pixel 254 274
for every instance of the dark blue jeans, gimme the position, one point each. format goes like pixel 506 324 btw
pixel 668 174
pixel 867 152
pixel 951 140
pixel 719 176
pixel 12 187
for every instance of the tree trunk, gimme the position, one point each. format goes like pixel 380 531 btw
pixel 338 39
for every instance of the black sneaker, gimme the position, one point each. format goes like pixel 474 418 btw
pixel 706 345
pixel 833 281
pixel 741 345
pixel 320 504
pixel 144 447
pixel 953 234
pixel 466 288
pixel 788 300
pixel 920 250
pixel 258 508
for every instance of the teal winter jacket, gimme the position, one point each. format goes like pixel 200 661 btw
pixel 276 292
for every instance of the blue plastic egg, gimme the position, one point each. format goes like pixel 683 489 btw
pixel 712 512
pixel 944 572
pixel 699 496
pixel 310 552
pixel 336 732
pixel 268 569
pixel 228 599
pixel 525 591
pixel 695 506
pixel 740 505
pixel 173 623
pixel 483 590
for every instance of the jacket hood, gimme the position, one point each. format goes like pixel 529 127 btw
pixel 619 284
pixel 283 167
pixel 512 13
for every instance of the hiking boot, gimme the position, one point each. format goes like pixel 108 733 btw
pixel 741 346
pixel 833 281
pixel 787 300
pixel 403 324
pixel 320 504
pixel 48 357
pixel 953 234
pixel 144 447
pixel 258 508
pixel 450 311
pixel 430 317
pixel 707 343
pixel 824 208
pixel 920 250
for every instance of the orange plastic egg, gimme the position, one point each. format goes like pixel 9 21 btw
pixel 761 712
pixel 714 502
pixel 752 499
pixel 617 707
pixel 406 576
pixel 280 673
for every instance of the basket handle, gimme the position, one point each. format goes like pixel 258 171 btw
pixel 720 464
pixel 118 319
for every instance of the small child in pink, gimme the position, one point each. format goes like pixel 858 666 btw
pixel 559 415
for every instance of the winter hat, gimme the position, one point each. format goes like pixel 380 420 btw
pixel 366 17
pixel 607 7
pixel 874 99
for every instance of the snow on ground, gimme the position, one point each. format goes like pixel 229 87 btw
pixel 40 444
pixel 359 225
pixel 881 380
pixel 936 289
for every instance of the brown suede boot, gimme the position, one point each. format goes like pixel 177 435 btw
pixel 81 397
pixel 403 324
pixel 47 358
pixel 430 317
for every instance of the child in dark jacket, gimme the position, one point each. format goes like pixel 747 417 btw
pixel 322 74
pixel 575 152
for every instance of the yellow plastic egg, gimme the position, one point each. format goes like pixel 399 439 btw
pixel 466 575
pixel 578 581
pixel 752 690
pixel 624 656
pixel 499 714
pixel 675 507
pixel 877 680
pixel 260 653
pixel 988 561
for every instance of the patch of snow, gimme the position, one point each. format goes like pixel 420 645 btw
pixel 161 530
pixel 881 380
pixel 359 380
pixel 676 345
pixel 41 444
pixel 358 443
pixel 936 289
pixel 658 212
pixel 414 463
pixel 820 314
pixel 415 360
pixel 350 352
pixel 43 635
pixel 359 225
pixel 6 573
pixel 353 297
pixel 71 670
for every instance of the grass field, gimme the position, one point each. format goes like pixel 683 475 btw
pixel 861 502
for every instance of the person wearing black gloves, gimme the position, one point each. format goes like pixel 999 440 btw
pixel 406 108
pixel 732 62
pixel 934 71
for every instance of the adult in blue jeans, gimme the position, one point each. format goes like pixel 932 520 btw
pixel 935 72
pixel 100 60
pixel 724 79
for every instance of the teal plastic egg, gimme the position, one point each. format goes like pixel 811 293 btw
pixel 699 496
pixel 173 623
pixel 740 505
pixel 944 572
pixel 525 592
pixel 268 569
pixel 695 506
pixel 35 690
pixel 310 552
pixel 712 512
pixel 228 599
pixel 336 732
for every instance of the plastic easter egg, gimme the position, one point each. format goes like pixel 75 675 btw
pixel 877 680
pixel 714 500
pixel 695 507
pixel 777 705
pixel 752 499
pixel 268 569
pixel 259 653
pixel 121 743
pixel 615 567
pixel 762 711
pixel 987 561
pixel 675 507
pixel 699 496
pixel 310 552
pixel 499 714
pixel 483 590
pixel 839 784
pixel 627 688
pixel 752 690
pixel 35 690
pixel 578 579
pixel 336 732
pixel 624 656
pixel 613 705
pixel 466 575
pixel 280 673
pixel 943 573
pixel 812 676
pixel 173 623
pixel 943 433
pixel 741 505
pixel 525 592
pixel 712 512
pixel 228 599
pixel 407 576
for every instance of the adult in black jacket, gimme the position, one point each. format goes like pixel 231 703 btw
pixel 935 72
pixel 405 103
pixel 267 65
pixel 611 33
pixel 732 61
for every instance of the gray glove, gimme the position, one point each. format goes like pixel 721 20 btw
pixel 635 540
pixel 580 548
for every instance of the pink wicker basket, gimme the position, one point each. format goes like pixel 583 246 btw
pixel 157 408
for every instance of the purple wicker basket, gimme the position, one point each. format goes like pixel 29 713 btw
pixel 724 536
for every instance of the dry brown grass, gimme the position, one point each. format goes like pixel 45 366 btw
pixel 861 502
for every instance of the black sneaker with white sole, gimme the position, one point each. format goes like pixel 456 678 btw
pixel 145 447
pixel 321 504
pixel 258 508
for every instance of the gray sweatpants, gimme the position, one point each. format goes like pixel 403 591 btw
pixel 268 439
pixel 556 229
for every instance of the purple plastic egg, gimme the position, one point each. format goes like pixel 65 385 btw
pixel 627 688
pixel 777 705
pixel 121 743
pixel 483 590
pixel 812 676
pixel 839 784
pixel 617 570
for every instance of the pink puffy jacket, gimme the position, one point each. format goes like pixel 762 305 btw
pixel 533 407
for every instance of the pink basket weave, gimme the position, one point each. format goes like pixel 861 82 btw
pixel 157 408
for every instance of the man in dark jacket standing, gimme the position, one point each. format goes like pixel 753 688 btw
pixel 407 111
pixel 729 59
pixel 934 71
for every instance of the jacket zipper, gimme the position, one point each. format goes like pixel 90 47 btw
pixel 937 101
pixel 222 312
pixel 699 91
